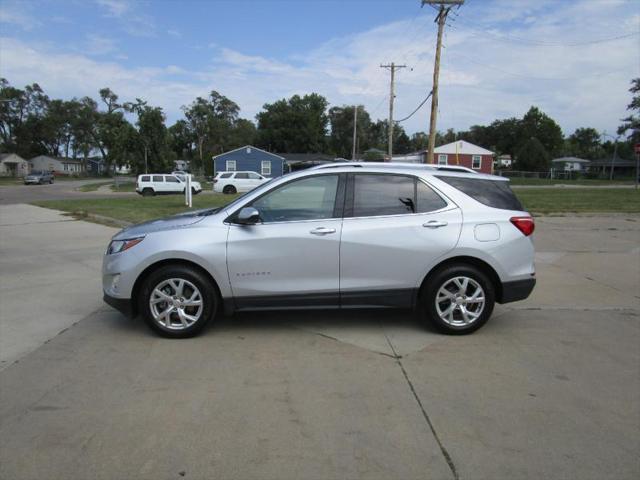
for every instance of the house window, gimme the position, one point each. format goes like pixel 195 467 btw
pixel 65 167
pixel 476 162
pixel 231 165
pixel 442 159
pixel 265 168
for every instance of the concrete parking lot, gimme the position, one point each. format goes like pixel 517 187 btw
pixel 549 388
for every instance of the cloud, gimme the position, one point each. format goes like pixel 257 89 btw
pixel 174 33
pixel 495 64
pixel 14 14
pixel 99 45
pixel 130 19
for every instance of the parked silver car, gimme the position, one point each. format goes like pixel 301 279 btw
pixel 38 177
pixel 446 240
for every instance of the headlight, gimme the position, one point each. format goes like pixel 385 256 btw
pixel 117 246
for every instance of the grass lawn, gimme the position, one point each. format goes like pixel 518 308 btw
pixel 584 181
pixel 537 201
pixel 582 200
pixel 4 181
pixel 135 209
pixel 123 187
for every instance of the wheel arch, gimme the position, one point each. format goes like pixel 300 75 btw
pixel 135 291
pixel 480 264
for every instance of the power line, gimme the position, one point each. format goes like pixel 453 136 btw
pixel 417 108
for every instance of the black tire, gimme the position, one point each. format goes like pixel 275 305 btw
pixel 148 192
pixel 51 182
pixel 440 278
pixel 229 190
pixel 210 299
pixel 194 191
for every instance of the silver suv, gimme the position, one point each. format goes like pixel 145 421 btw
pixel 445 240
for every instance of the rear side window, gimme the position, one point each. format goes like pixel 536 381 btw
pixel 145 178
pixel 226 175
pixel 493 193
pixel 375 195
pixel 158 178
pixel 242 176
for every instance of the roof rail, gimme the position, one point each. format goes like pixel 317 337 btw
pixel 427 166
pixel 454 168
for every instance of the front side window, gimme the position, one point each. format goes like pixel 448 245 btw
pixel 442 159
pixel 171 179
pixel 242 176
pixel 254 176
pixel 266 167
pixel 476 162
pixel 231 165
pixel 376 195
pixel 306 199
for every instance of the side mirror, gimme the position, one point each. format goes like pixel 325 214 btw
pixel 248 216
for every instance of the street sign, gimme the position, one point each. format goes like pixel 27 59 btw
pixel 637 148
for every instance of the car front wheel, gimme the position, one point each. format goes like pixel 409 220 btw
pixel 177 301
pixel 458 299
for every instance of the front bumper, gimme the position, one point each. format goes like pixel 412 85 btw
pixel 124 305
pixel 518 290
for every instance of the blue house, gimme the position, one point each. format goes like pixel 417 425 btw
pixel 249 158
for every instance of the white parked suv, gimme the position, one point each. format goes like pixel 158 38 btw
pixel 445 240
pixel 234 182
pixel 160 184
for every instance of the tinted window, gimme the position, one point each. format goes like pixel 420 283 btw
pixel 383 195
pixel 158 178
pixel 171 179
pixel 254 176
pixel 494 193
pixel 226 175
pixel 306 199
pixel 242 176
pixel 145 178
pixel 427 199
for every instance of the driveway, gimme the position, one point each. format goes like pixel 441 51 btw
pixel 549 388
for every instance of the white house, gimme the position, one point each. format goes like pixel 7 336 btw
pixel 60 166
pixel 504 161
pixel 13 165
pixel 570 164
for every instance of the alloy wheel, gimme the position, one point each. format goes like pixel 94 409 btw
pixel 460 301
pixel 176 304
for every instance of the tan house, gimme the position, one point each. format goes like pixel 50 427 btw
pixel 59 166
pixel 13 165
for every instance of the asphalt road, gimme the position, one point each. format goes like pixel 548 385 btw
pixel 60 190
pixel 549 388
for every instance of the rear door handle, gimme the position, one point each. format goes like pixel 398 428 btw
pixel 322 231
pixel 435 224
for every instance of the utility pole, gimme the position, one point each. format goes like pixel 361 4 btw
pixel 444 8
pixel 392 67
pixel 355 123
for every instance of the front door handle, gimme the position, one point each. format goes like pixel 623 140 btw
pixel 322 231
pixel 435 224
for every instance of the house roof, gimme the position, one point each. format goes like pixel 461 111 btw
pixel 570 160
pixel 462 147
pixel 58 159
pixel 246 146
pixel 308 157
pixel 4 156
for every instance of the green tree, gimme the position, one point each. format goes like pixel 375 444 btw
pixel 585 143
pixel 532 156
pixel 419 141
pixel 631 124
pixel 182 140
pixel 536 123
pixel 341 137
pixel 298 124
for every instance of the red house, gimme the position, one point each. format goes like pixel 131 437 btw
pixel 464 154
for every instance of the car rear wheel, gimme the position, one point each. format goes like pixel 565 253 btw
pixel 229 189
pixel 148 192
pixel 177 301
pixel 458 299
pixel 194 191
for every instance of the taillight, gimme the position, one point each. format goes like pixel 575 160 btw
pixel 215 180
pixel 525 224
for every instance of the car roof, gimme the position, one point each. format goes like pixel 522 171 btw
pixel 412 168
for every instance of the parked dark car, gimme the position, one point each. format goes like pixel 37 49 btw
pixel 38 177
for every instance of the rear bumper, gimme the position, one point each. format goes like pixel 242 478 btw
pixel 518 290
pixel 124 305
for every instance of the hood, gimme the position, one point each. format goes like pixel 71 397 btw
pixel 181 220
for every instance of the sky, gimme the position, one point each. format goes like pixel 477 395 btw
pixel 574 59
